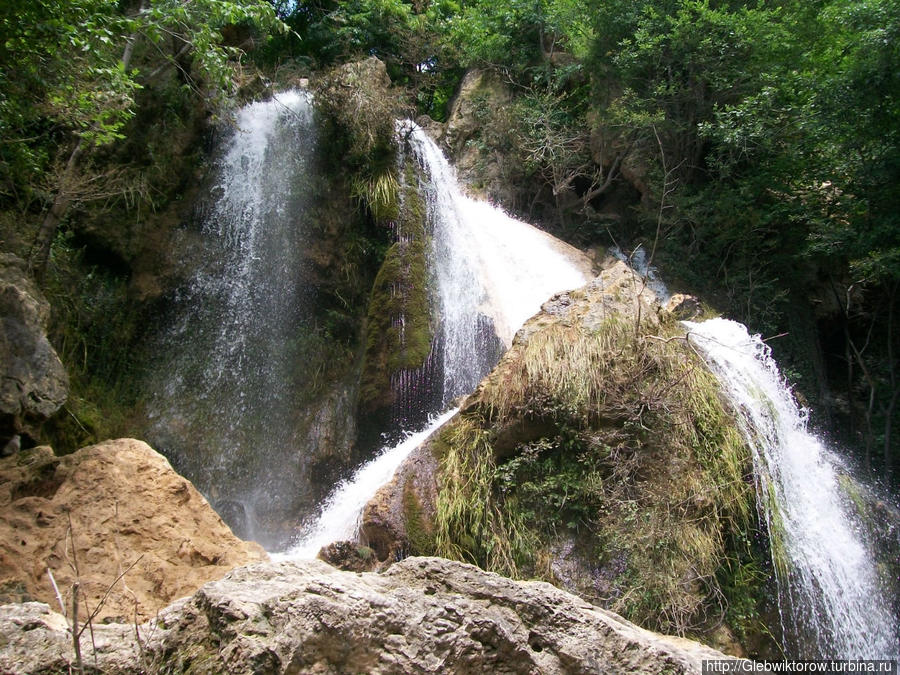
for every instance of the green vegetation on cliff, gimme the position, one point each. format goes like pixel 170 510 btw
pixel 599 455
pixel 103 105
pixel 399 326
pixel 755 142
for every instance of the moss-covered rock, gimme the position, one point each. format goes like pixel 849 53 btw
pixel 399 327
pixel 600 456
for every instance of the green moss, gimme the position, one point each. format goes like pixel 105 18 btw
pixel 399 326
pixel 746 587
pixel 419 529
pixel 776 531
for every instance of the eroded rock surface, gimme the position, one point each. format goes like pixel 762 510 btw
pixel 102 509
pixel 424 615
pixel 481 98
pixel 618 292
pixel 33 382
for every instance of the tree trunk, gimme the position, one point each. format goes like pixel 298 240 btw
pixel 40 250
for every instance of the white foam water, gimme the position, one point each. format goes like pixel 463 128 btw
pixel 830 598
pixel 340 514
pixel 485 264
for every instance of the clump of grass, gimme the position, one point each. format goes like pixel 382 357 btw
pixel 470 524
pixel 380 192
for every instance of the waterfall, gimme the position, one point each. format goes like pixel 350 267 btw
pixel 830 599
pixel 491 273
pixel 223 375
pixel 340 513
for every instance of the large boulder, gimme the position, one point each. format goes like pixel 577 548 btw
pixel 403 510
pixel 424 615
pixel 113 508
pixel 600 456
pixel 33 382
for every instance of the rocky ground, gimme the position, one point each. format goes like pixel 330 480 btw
pixel 424 615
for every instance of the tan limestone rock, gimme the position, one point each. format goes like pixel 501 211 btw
pixel 101 510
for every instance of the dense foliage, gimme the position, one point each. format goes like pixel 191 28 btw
pixel 69 75
pixel 762 138
pixel 764 135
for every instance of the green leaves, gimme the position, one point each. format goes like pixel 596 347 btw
pixel 64 70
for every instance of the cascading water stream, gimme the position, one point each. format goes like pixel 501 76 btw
pixel 831 602
pixel 488 268
pixel 490 274
pixel 223 378
pixel 339 518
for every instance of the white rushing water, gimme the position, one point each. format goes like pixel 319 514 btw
pixel 342 510
pixel 222 385
pixel 486 266
pixel 830 599
pixel 490 273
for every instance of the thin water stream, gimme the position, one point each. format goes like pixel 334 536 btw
pixel 830 597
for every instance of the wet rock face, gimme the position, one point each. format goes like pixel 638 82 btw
pixel 33 382
pixel 349 556
pixel 101 509
pixel 401 513
pixel 479 105
pixel 424 615
pixel 684 307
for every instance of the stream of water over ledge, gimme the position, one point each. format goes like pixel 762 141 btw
pixel 222 384
pixel 831 600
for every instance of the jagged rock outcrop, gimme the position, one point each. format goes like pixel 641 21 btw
pixel 424 615
pixel 401 509
pixel 477 107
pixel 684 307
pixel 599 455
pixel 33 382
pixel 101 510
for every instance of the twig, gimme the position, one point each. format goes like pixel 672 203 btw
pixel 773 337
pixel 666 340
pixel 76 634
pixel 59 599
pixel 109 590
